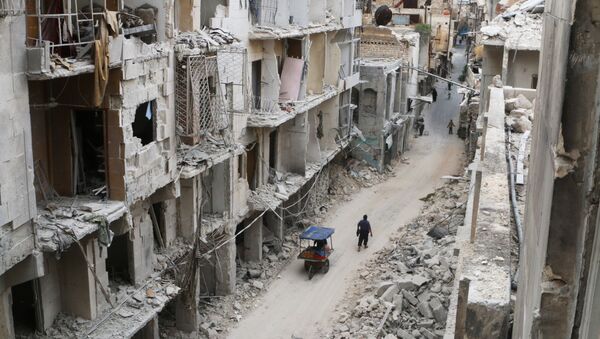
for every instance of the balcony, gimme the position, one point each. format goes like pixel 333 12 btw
pixel 62 38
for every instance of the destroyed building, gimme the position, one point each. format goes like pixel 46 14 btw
pixel 510 47
pixel 152 145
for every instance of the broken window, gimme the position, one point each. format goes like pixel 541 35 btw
pixel 273 150
pixel 355 101
pixel 117 263
pixel 157 215
pixel 143 125
pixel 89 152
pixel 256 82
pixel 241 167
pixel 251 162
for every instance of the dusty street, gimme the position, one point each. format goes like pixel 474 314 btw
pixel 295 306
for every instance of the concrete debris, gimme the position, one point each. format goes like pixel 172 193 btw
pixel 139 307
pixel 519 125
pixel 210 151
pixel 67 218
pixel 220 313
pixel 520 27
pixel 415 275
pixel 190 43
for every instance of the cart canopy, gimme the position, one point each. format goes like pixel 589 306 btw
pixel 317 233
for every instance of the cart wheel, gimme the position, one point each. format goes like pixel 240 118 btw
pixel 307 265
pixel 325 267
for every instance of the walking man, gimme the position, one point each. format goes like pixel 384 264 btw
pixel 363 231
pixel 450 126
pixel 433 94
pixel 420 125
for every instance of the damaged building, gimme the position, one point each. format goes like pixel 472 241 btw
pixel 154 147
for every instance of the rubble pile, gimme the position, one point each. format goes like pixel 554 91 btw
pixel 408 285
pixel 220 313
pixel 189 43
pixel 519 112
pixel 520 26
pixel 355 174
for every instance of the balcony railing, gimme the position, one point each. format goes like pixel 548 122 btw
pixel 264 12
pixel 199 104
pixel 68 28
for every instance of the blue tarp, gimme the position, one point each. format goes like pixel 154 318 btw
pixel 317 233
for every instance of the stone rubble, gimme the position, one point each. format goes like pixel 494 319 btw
pixel 337 184
pixel 414 276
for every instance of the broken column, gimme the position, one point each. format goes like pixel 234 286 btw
pixel 225 272
pixel 186 312
pixel 253 241
pixel 141 247
pixel 189 207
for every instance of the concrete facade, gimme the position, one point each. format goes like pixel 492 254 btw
pixel 557 293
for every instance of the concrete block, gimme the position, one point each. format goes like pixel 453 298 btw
pixel 382 287
pixel 439 311
pixel 390 293
pixel 410 297
pixel 132 70
pixel 425 310
pixel 403 334
pixel 397 301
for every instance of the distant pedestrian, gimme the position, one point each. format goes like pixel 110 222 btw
pixel 450 126
pixel 449 90
pixel 420 125
pixel 434 94
pixel 363 231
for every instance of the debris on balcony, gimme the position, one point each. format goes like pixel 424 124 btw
pixel 65 220
pixel 206 40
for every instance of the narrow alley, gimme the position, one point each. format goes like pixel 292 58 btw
pixel 293 306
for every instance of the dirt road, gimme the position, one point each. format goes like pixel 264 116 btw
pixel 293 306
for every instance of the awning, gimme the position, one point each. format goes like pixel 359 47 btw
pixel 317 233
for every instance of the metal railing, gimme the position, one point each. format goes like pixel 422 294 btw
pixel 232 65
pixel 199 104
pixel 74 26
pixel 264 12
pixel 262 105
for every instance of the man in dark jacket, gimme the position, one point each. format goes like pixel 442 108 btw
pixel 363 231
pixel 434 94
